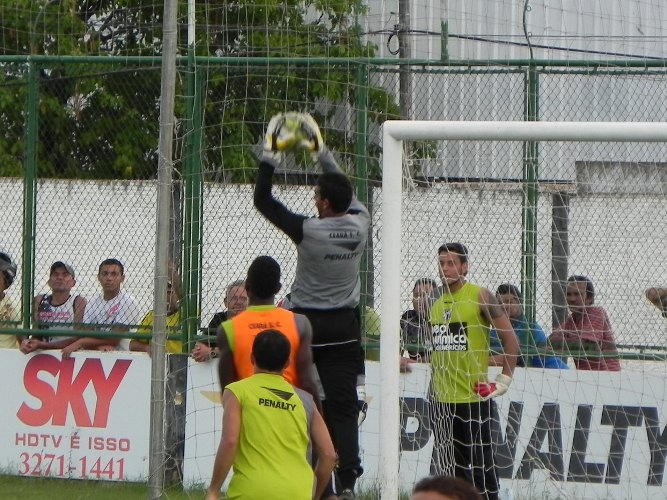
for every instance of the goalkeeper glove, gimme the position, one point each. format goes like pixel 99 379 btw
pixel 282 134
pixel 309 136
pixel 488 390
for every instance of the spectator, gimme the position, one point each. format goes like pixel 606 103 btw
pixel 10 315
pixel 326 286
pixel 111 311
pixel 587 329
pixel 444 488
pixel 530 335
pixel 658 297
pixel 235 300
pixel 173 346
pixel 236 336
pixel 462 406
pixel 60 309
pixel 415 327
pixel 269 428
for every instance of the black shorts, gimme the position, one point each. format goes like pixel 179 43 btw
pixel 332 326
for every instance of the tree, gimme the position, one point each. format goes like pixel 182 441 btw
pixel 101 120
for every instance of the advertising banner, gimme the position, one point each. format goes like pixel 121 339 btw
pixel 85 417
pixel 203 425
pixel 576 433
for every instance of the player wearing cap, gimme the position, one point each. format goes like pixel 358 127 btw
pixel 61 309
pixel 9 310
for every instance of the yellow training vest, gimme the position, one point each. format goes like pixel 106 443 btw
pixel 272 458
pixel 460 345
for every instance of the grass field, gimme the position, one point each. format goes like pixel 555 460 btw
pixel 26 488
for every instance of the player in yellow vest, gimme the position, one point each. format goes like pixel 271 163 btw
pixel 235 338
pixel 461 411
pixel 269 428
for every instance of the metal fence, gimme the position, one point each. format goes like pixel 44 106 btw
pixel 78 163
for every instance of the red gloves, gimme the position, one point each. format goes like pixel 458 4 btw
pixel 488 390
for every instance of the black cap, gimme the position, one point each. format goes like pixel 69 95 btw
pixel 7 268
pixel 506 288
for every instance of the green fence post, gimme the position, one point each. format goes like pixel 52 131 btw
pixel 193 206
pixel 30 192
pixel 197 201
pixel 530 195
pixel 444 41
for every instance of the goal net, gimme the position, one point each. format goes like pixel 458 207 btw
pixel 79 93
pixel 560 431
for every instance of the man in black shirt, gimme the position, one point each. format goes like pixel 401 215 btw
pixel 415 326
pixel 236 301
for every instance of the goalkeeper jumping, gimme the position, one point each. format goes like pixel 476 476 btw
pixel 462 408
pixel 326 286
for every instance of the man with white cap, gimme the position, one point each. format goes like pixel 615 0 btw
pixel 61 309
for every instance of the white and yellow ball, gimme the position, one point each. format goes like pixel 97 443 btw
pixel 290 135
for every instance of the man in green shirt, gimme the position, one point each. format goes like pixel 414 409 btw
pixel 269 428
pixel 461 411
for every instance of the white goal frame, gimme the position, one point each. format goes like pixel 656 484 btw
pixel 393 134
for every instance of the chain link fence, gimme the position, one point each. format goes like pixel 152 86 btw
pixel 95 161
pixel 78 184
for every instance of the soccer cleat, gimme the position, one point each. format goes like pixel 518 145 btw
pixel 363 409
pixel 347 494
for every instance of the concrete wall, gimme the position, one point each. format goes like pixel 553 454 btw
pixel 616 239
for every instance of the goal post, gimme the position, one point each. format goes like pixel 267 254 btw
pixel 394 133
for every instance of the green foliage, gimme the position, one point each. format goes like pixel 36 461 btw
pixel 97 122
pixel 101 120
pixel 12 96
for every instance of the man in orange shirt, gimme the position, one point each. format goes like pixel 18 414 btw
pixel 236 336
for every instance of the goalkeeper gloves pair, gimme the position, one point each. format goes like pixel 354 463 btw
pixel 488 390
pixel 292 131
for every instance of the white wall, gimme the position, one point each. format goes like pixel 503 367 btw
pixel 617 240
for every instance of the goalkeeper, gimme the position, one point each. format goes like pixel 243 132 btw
pixel 326 286
pixel 461 410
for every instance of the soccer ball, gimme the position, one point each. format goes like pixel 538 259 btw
pixel 292 131
pixel 290 134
